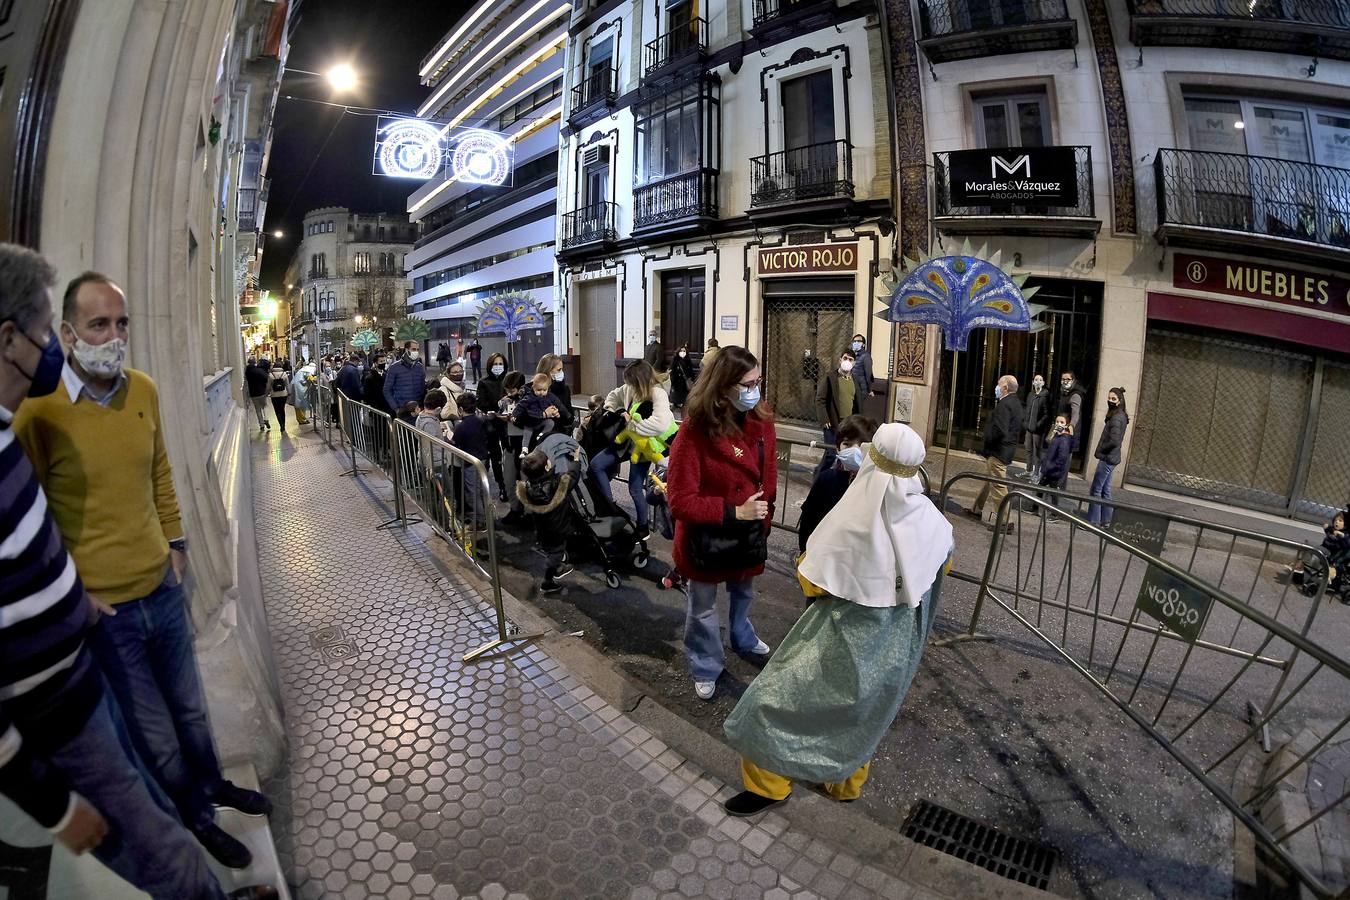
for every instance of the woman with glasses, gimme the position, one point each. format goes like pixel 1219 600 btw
pixel 722 485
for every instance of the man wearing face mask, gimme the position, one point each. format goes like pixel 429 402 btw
pixel 1001 436
pixel 405 379
pixel 97 445
pixel 862 366
pixel 1035 420
pixel 838 397
pixel 61 759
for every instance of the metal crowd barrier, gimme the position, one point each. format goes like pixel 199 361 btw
pixel 1201 714
pixel 449 487
pixel 1238 561
pixel 802 459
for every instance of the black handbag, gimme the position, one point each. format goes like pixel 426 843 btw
pixel 730 548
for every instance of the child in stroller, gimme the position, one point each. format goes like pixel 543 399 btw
pixel 1308 572
pixel 600 526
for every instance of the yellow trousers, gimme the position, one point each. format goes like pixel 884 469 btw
pixel 776 787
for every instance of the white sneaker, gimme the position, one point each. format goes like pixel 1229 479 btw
pixel 760 649
pixel 704 690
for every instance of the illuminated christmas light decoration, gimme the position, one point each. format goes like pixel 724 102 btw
pixel 417 148
pixel 481 157
pixel 409 148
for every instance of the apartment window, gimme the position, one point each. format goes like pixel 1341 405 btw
pixel 601 57
pixel 677 133
pixel 680 24
pixel 318 265
pixel 387 299
pixel 1288 131
pixel 1012 120
pixel 595 176
pixel 808 110
pixel 526 105
pixel 361 264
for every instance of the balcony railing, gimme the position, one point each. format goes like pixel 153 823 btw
pixel 600 86
pixel 1038 217
pixel 1318 27
pixel 683 41
pixel 692 195
pixel 768 11
pixel 594 224
pixel 1207 195
pixel 335 314
pixel 967 29
pixel 818 171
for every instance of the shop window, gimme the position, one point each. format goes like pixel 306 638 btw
pixel 1012 120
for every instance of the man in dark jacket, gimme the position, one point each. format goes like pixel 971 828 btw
pixel 1002 434
pixel 349 380
pixel 405 379
pixel 1071 403
pixel 257 379
pixel 1036 421
pixel 838 397
pixel 372 386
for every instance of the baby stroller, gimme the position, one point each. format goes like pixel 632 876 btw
pixel 604 529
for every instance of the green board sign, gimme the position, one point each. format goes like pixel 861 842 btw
pixel 1174 603
pixel 1143 530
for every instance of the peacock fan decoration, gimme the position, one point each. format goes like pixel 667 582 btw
pixel 958 294
pixel 509 314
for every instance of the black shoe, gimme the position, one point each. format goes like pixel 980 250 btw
pixel 227 851
pixel 643 533
pixel 255 892
pixel 563 570
pixel 747 803
pixel 550 588
pixel 250 803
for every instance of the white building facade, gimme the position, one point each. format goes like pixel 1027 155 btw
pixel 1198 253
pixel 725 173
pixel 499 69
pixel 348 266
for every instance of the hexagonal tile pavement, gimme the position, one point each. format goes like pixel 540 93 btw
pixel 411 774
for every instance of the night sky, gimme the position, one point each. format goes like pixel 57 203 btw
pixel 385 42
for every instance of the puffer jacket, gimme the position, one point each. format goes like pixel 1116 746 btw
pixel 1112 437
pixel 545 499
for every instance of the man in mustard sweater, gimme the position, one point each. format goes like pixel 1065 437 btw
pixel 97 446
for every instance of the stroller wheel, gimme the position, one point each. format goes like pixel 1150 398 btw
pixel 612 579
pixel 640 560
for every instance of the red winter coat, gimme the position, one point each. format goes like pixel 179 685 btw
pixel 708 480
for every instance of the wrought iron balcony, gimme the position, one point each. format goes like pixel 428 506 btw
pixel 968 29
pixel 769 12
pixel 1315 27
pixel 1029 218
pixel 589 225
pixel 334 315
pixel 1253 202
pixel 599 87
pixel 690 198
pixel 817 172
pixel 683 42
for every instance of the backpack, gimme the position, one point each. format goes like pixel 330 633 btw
pixel 278 384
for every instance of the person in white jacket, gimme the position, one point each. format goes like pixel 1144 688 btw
pixel 452 384
pixel 640 387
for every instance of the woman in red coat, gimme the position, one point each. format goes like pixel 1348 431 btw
pixel 723 469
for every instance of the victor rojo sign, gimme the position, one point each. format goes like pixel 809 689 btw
pixel 1013 176
pixel 808 258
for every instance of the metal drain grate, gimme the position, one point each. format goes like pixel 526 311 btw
pixel 332 644
pixel 1014 858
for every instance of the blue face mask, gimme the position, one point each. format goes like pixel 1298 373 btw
pixel 998 392
pixel 857 345
pixel 47 374
pixel 746 399
pixel 850 459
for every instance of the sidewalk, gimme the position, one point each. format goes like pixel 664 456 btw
pixel 412 774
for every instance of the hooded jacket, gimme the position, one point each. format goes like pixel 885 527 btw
pixel 545 498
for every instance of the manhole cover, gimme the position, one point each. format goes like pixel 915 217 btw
pixel 1014 858
pixel 332 644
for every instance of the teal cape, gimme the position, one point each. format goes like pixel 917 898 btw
pixel 832 688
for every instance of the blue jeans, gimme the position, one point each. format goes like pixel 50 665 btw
pixel 147 656
pixel 637 481
pixel 145 845
pixel 1100 513
pixel 702 634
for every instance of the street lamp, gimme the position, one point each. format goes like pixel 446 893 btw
pixel 341 77
pixel 278 234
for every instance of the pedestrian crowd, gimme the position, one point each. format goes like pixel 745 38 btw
pixel 104 734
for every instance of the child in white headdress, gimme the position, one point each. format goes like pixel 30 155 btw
pixel 832 689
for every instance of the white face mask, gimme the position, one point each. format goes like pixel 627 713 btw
pixel 559 376
pixel 683 354
pixel 846 366
pixel 498 369
pixel 101 360
pixel 413 355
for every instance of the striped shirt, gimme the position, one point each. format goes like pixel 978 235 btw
pixel 48 683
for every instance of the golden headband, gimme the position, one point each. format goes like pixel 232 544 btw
pixel 890 466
